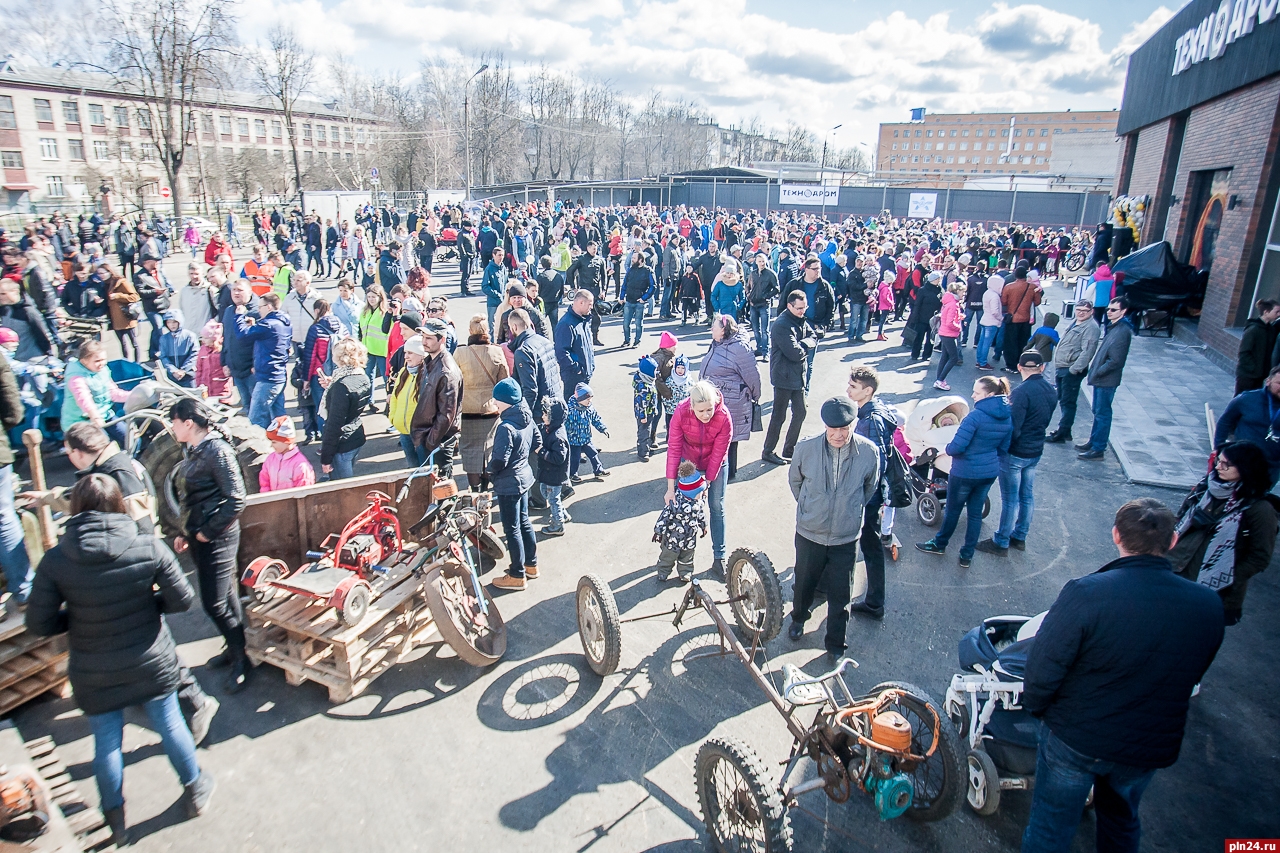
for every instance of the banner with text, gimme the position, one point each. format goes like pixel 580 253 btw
pixel 807 194
pixel 923 206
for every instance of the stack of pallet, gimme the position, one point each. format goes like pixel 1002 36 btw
pixel 307 640
pixel 29 665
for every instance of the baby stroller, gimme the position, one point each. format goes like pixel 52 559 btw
pixel 447 245
pixel 928 430
pixel 983 702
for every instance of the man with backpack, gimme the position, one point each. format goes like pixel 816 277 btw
pixel 877 423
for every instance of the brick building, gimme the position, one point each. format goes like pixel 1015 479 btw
pixel 64 135
pixel 1199 127
pixel 980 144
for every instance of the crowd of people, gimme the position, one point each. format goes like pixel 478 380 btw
pixel 511 403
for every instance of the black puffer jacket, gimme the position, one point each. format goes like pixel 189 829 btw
pixel 211 487
pixel 345 400
pixel 116 583
pixel 553 458
pixel 515 439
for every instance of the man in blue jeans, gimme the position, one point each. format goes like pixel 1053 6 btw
pixel 762 286
pixel 1105 372
pixel 1110 676
pixel 1031 406
pixel 272 339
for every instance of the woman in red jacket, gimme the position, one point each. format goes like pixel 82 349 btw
pixel 700 431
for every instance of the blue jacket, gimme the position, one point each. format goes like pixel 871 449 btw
pixel 237 352
pixel 1250 417
pixel 494 284
pixel 178 351
pixel 982 438
pixel 390 271
pixel 1111 669
pixel 327 326
pixel 488 239
pixel 575 352
pixel 580 421
pixel 515 439
pixel 1031 404
pixel 272 339
pixel 727 298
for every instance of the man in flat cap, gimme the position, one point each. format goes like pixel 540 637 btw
pixel 832 476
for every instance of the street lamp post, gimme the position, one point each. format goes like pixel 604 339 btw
pixel 466 123
pixel 822 170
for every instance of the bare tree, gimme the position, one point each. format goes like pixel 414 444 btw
pixel 164 52
pixel 58 33
pixel 284 70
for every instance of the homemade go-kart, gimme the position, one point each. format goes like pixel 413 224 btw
pixel 348 571
pixel 890 743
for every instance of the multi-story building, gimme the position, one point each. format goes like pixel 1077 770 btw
pixel 946 149
pixel 64 136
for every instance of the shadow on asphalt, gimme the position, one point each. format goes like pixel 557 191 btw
pixel 630 501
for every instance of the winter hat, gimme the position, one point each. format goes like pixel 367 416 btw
pixel 517 289
pixel 1033 275
pixel 582 392
pixel 648 367
pixel 839 412
pixel 888 277
pixel 692 485
pixel 211 330
pixel 668 341
pixel 282 429
pixel 414 345
pixel 507 391
pixel 966 259
pixel 412 319
pixel 8 336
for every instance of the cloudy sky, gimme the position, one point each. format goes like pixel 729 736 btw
pixel 817 62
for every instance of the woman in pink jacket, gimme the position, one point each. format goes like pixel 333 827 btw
pixel 700 431
pixel 884 301
pixel 952 322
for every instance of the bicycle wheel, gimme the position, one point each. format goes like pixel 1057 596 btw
pixel 757 596
pixel 598 625
pixel 741 806
pixel 939 780
pixel 477 637
pixel 1074 261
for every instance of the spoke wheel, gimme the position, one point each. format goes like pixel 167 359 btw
pixel 756 594
pixel 741 806
pixel 599 627
pixel 479 639
pixel 938 780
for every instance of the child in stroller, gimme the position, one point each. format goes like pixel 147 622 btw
pixel 928 430
pixel 984 703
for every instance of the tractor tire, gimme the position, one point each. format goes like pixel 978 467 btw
pixel 742 808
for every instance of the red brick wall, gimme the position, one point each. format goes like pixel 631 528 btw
pixel 1148 162
pixel 1239 131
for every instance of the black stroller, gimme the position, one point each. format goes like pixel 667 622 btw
pixel 929 486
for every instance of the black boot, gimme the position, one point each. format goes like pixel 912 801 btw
pixel 238 678
pixel 195 797
pixel 115 820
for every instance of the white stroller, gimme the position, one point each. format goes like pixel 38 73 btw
pixel 928 430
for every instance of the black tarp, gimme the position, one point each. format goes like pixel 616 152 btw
pixel 1154 278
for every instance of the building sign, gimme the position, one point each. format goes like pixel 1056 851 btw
pixel 807 194
pixel 922 206
pixel 1206 50
pixel 1233 20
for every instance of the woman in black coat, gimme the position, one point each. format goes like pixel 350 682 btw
pixel 928 303
pixel 213 497
pixel 116 582
pixel 346 395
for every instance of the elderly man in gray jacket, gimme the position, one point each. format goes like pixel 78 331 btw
pixel 832 476
pixel 1075 350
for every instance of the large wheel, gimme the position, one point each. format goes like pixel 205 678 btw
pixel 1075 260
pixel 478 638
pixel 741 805
pixel 161 457
pixel 929 510
pixel 983 791
pixel 355 605
pixel 939 780
pixel 487 548
pixel 756 596
pixel 599 627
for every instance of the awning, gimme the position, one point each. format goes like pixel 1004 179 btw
pixel 20 186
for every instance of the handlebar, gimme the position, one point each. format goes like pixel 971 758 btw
pixel 840 668
pixel 421 470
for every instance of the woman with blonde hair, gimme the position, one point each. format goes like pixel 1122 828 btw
pixel 483 366
pixel 700 431
pixel 346 394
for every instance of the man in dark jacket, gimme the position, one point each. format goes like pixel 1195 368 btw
pixel 637 288
pixel 551 285
pixel 535 362
pixel 761 288
pixel 272 340
pixel 791 340
pixel 1257 346
pixel 1110 675
pixel 1105 372
pixel 1254 416
pixel 876 423
pixel 237 354
pixel 1031 406
pixel 155 290
pixel 390 269
pixel 588 272
pixel 438 415
pixel 708 267
pixel 575 352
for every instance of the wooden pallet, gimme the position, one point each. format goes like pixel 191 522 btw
pixel 29 665
pixel 74 825
pixel 308 641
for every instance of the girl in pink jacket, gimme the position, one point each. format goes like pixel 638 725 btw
pixel 285 467
pixel 884 301
pixel 949 327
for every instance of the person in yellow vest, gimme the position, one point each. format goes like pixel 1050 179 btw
pixel 282 280
pixel 369 325
pixel 402 396
pixel 258 271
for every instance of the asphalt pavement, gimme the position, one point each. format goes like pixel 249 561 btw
pixel 539 754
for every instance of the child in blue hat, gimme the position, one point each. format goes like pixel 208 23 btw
pixel 645 397
pixel 582 417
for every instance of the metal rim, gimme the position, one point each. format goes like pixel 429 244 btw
pixel 737 816
pixel 979 789
pixel 749 601
pixel 929 777
pixel 928 509
pixel 464 612
pixel 591 624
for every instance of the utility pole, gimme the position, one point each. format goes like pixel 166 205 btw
pixel 466 124
pixel 822 170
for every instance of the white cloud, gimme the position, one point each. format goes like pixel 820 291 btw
pixel 742 64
